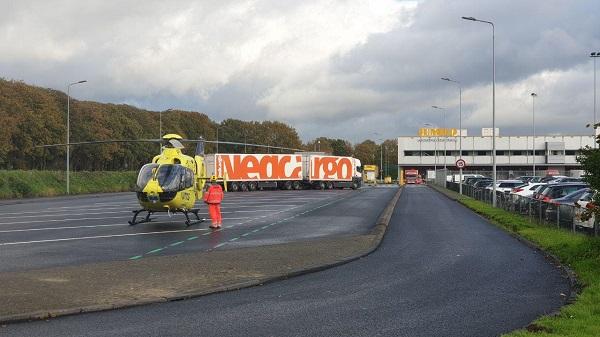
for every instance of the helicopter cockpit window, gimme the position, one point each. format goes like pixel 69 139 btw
pixel 146 173
pixel 174 177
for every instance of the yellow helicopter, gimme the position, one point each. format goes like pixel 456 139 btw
pixel 172 182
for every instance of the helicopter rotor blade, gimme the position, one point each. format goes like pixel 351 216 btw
pixel 104 142
pixel 237 143
pixel 163 141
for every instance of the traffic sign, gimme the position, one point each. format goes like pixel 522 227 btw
pixel 461 163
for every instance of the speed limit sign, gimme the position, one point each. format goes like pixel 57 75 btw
pixel 461 163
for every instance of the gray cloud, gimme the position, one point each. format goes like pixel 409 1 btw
pixel 340 69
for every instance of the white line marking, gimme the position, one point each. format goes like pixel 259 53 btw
pixel 59 228
pixel 99 237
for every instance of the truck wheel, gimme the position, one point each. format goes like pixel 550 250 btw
pixel 287 185
pixel 321 185
pixel 329 185
pixel 354 185
pixel 252 186
pixel 296 185
pixel 244 187
pixel 234 187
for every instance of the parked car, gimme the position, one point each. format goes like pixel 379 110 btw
pixel 550 178
pixel 473 180
pixel 586 202
pixel 521 195
pixel 536 179
pixel 483 183
pixel 505 185
pixel 470 175
pixel 565 207
pixel 525 179
pixel 555 191
pixel 565 180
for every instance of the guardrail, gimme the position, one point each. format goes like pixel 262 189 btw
pixel 539 211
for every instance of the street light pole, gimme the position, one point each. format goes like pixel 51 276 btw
pixel 594 56
pixel 444 133
pixel 493 103
pixel 381 161
pixel 460 187
pixel 69 133
pixel 533 96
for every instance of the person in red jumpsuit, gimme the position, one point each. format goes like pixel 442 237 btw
pixel 213 197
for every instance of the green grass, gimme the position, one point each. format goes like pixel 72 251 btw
pixel 580 252
pixel 29 184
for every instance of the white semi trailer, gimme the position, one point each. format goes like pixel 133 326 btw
pixel 249 172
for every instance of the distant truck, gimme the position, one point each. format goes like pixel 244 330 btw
pixel 370 174
pixel 250 172
pixel 412 176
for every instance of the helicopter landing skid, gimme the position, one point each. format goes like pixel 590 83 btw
pixel 135 215
pixel 189 222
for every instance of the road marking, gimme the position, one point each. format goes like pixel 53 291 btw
pixel 99 237
pixel 154 251
pixel 234 239
pixel 61 220
pixel 58 228
pixel 176 243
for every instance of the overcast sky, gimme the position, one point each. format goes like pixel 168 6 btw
pixel 344 69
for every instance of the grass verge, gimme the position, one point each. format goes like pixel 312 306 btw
pixel 29 184
pixel 578 251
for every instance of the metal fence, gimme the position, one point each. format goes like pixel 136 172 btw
pixel 541 212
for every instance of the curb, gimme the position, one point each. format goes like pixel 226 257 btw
pixel 575 286
pixel 378 232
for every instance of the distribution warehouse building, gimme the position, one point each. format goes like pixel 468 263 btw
pixel 514 154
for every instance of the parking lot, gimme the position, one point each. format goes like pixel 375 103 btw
pixel 71 231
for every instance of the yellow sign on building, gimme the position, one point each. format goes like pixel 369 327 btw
pixel 438 132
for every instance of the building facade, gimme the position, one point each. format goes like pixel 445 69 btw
pixel 513 153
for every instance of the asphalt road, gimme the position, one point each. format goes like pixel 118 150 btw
pixel 47 233
pixel 440 271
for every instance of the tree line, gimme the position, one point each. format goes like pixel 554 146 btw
pixel 32 116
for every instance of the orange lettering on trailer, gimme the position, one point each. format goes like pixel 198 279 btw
pixel 250 167
pixel 332 168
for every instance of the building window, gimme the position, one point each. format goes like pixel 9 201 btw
pixel 517 153
pixel 482 153
pixel 500 152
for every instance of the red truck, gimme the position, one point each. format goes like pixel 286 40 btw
pixel 412 176
pixel 249 172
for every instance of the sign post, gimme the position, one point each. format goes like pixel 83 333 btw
pixel 461 163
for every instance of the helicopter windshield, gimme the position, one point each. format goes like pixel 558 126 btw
pixel 146 173
pixel 174 177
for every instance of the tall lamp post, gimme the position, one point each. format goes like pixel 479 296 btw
pixel 444 134
pixel 69 133
pixel 533 96
pixel 460 177
pixel 493 103
pixel 594 56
